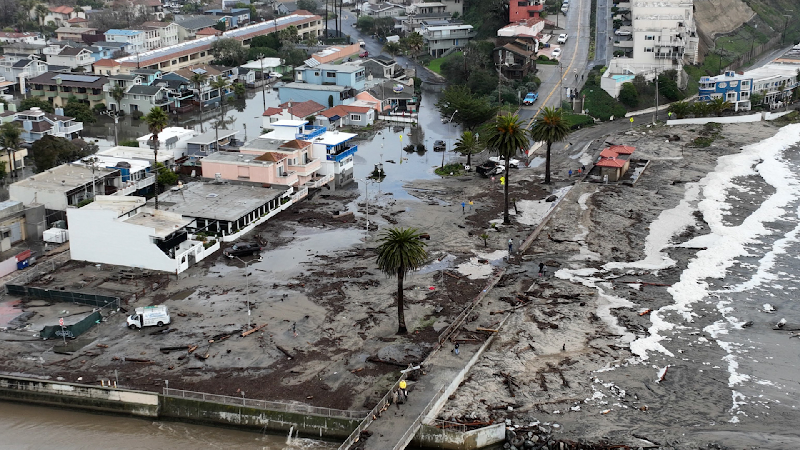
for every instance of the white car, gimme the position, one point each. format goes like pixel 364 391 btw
pixel 562 38
pixel 622 32
pixel 556 53
pixel 564 9
pixel 513 163
pixel 275 75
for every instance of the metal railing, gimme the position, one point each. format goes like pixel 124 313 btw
pixel 41 268
pixel 356 434
pixel 133 186
pixel 412 430
pixel 263 404
pixel 449 426
pixel 468 310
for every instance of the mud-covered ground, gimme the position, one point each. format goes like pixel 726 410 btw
pixel 562 366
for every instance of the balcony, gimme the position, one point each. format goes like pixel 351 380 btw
pixel 306 169
pixel 339 157
pixel 72 127
pixel 310 132
pixel 37 92
pixel 96 97
pixel 132 186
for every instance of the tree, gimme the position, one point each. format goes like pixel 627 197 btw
pixel 401 250
pixel 239 90
pixel 550 127
pixel 156 120
pixel 228 52
pixel 468 145
pixel 51 151
pixel 507 136
pixel 117 93
pixel 384 26
pixel 392 48
pixel 10 136
pixel 35 102
pixel 2 170
pixel 330 101
pixel 668 87
pixel 680 108
pixel 719 105
pixel 199 81
pixel 700 109
pixel 415 43
pixel 366 24
pixel 308 5
pixel 166 177
pixel 628 95
pixel 255 53
pixel 465 108
pixel 80 111
pixel 269 40
pixel 756 99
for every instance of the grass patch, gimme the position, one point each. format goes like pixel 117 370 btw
pixel 575 121
pixel 792 117
pixel 602 105
pixel 450 170
pixel 708 135
pixel 436 64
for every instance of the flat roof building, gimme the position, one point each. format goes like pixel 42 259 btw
pixel 65 185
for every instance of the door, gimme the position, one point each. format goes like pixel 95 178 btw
pixel 16 232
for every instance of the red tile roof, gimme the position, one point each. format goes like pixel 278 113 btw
pixel 303 109
pixel 62 9
pixel 295 144
pixel 77 20
pixel 271 156
pixel 611 162
pixel 271 111
pixel 107 62
pixel 622 149
pixel 608 153
pixel 343 110
pixel 209 32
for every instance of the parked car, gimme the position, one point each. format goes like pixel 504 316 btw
pixel 556 53
pixel 361 43
pixel 530 98
pixel 489 168
pixel 564 9
pixel 562 38
pixel 243 249
pixel 439 146
pixel 275 75
pixel 513 163
pixel 622 32
pixel 364 54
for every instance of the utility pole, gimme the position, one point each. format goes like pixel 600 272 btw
pixel 655 115
pixel 560 84
pixel 264 80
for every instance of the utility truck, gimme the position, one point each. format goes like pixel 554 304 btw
pixel 149 316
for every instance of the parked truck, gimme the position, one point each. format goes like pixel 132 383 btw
pixel 149 316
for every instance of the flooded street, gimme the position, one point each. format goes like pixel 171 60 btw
pixel 34 427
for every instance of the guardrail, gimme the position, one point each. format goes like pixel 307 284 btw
pixel 447 425
pixel 134 186
pixel 356 434
pixel 412 430
pixel 263 404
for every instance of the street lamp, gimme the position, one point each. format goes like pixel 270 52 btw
pixel 366 194
pixel 115 115
pixel 247 281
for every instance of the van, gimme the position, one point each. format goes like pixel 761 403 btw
pixel 149 316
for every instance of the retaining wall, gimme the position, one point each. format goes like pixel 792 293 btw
pixel 71 395
pixel 198 411
pixel 432 437
pixel 757 117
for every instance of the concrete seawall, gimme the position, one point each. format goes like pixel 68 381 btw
pixel 149 404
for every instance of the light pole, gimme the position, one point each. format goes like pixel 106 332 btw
pixel 655 115
pixel 264 81
pixel 366 194
pixel 247 283
pixel 115 115
pixel 560 84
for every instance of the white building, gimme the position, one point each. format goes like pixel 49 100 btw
pixel 663 36
pixel 172 141
pixel 136 40
pixel 64 186
pixel 443 37
pixel 331 147
pixel 125 231
pixel 9 37
pixel 72 57
pixel 167 32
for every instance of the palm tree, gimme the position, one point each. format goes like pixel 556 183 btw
pixel 199 80
pixel 507 136
pixel 550 127
pixel 415 43
pixel 219 83
pixel 719 105
pixel 117 93
pixel 392 48
pixel 401 251
pixel 156 120
pixel 41 12
pixel 10 136
pixel 468 145
pixel 680 108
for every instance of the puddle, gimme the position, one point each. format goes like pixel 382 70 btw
pixel 439 264
pixel 9 311
pixel 306 245
pixel 475 269
pixel 181 295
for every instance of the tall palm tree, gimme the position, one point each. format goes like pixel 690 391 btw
pixel 468 144
pixel 550 127
pixel 401 251
pixel 507 136
pixel 415 43
pixel 199 80
pixel 41 12
pixel 219 83
pixel 10 136
pixel 392 48
pixel 117 93
pixel 156 120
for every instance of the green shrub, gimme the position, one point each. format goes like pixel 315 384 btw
pixel 129 143
pixel 601 105
pixel 628 95
pixel 455 169
pixel 575 121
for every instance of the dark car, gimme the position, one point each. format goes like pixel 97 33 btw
pixel 439 146
pixel 243 249
pixel 489 168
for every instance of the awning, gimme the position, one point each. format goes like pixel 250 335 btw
pixel 333 118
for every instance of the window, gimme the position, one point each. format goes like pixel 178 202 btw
pixel 316 73
pixel 330 74
pixel 355 117
pixel 649 38
pixel 648 49
pixel 734 83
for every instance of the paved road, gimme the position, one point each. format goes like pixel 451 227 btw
pixel 573 62
pixel 604 48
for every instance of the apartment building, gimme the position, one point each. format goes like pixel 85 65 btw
pixel 73 57
pixel 326 84
pixel 59 87
pixel 37 124
pixel 136 39
pixel 167 32
pixel 443 37
pixel 773 82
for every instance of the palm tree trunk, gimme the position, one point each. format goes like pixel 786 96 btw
pixel 469 160
pixel 401 315
pixel 155 167
pixel 547 164
pixel 506 218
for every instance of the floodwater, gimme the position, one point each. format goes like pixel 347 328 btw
pixel 35 427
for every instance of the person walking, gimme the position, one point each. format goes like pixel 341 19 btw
pixel 470 205
pixel 510 246
pixel 394 398
pixel 456 349
pixel 403 390
pixel 463 206
pixel 541 269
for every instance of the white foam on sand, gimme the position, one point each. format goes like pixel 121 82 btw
pixel 474 269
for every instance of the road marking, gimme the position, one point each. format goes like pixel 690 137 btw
pixel 566 72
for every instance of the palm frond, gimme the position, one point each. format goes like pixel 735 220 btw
pixel 401 251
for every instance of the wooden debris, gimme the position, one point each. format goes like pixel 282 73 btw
pixel 284 351
pixel 249 332
pixel 357 370
pixel 375 359
pixel 138 360
pixel 486 329
pixel 192 348
pixel 453 276
pixel 201 356
pixel 645 312
pixel 169 349
pixel 102 346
